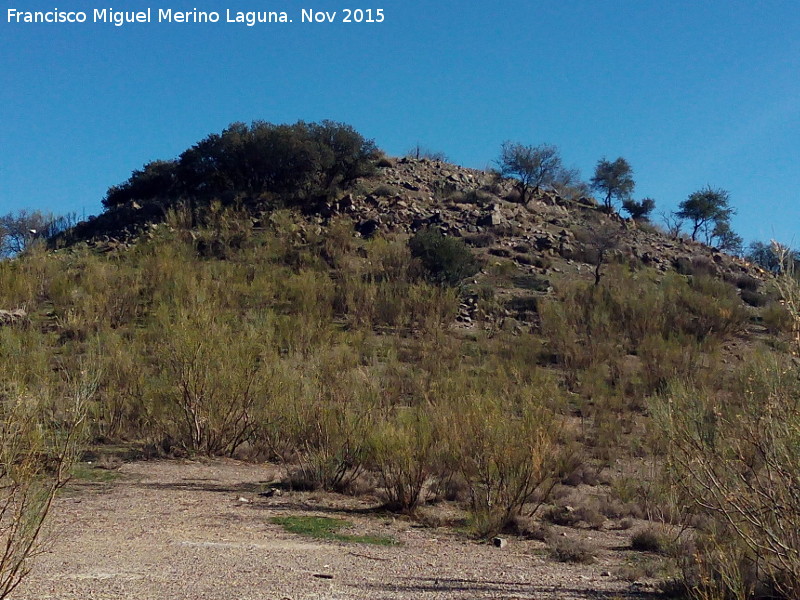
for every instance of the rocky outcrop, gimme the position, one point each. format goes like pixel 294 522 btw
pixel 17 317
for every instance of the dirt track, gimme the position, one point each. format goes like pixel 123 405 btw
pixel 187 530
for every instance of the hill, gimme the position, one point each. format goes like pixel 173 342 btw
pixel 410 332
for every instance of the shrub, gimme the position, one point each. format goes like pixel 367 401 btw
pixel 736 462
pixel 384 191
pixel 748 282
pixel 328 420
pixel 754 299
pixel 402 449
pixel 648 540
pixel 571 550
pixel 505 446
pixel 446 260
pixel 562 515
pixel 40 440
pixel 480 240
pixel 776 318
pixel 212 378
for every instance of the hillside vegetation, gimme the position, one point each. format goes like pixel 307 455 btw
pixel 410 329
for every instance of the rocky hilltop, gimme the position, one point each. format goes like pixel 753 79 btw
pixel 548 239
pixel 549 234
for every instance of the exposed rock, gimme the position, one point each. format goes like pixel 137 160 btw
pixel 17 316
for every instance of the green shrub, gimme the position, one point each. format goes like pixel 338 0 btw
pixel 42 432
pixel 505 445
pixel 446 260
pixel 209 379
pixel 776 318
pixel 402 449
pixel 734 461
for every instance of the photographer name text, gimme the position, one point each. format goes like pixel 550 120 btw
pixel 120 18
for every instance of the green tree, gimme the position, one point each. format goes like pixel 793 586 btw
pixel 639 210
pixel 706 209
pixel 531 166
pixel 726 239
pixel 156 178
pixel 293 162
pixel 614 180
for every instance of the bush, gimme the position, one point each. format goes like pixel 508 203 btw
pixel 754 299
pixel 776 318
pixel 211 379
pixel 648 540
pixel 571 550
pixel 736 462
pixel 40 440
pixel 480 240
pixel 402 449
pixel 503 441
pixel 446 260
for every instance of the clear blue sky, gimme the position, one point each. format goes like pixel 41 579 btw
pixel 690 93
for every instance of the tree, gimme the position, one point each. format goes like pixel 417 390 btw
pixel 706 209
pixel 614 179
pixel 293 162
pixel 772 257
pixel 568 184
pixel 156 178
pixel 639 210
pixel 532 166
pixel 19 230
pixel 605 239
pixel 727 239
pixel 672 222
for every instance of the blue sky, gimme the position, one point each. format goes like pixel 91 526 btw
pixel 690 93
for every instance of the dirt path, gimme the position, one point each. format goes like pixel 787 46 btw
pixel 187 530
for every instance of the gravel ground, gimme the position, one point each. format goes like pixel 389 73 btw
pixel 191 530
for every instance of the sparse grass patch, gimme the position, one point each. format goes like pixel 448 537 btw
pixel 328 528
pixel 91 473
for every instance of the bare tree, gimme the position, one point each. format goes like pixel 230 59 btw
pixel 19 230
pixel 673 223
pixel 418 152
pixel 605 239
pixel 531 166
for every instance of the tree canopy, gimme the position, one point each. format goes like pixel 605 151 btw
pixel 301 160
pixel 639 210
pixel 707 210
pixel 614 180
